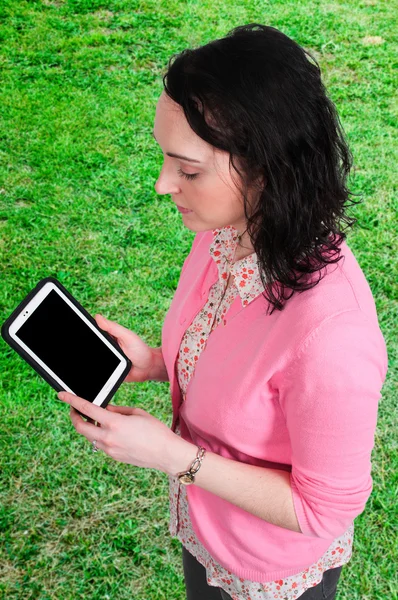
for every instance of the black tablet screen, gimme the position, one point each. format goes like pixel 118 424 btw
pixel 63 341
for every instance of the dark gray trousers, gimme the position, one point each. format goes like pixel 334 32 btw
pixel 198 588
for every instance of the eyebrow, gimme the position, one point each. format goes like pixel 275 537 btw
pixel 179 155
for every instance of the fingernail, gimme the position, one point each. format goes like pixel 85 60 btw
pixel 61 395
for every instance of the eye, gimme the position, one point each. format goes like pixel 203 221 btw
pixel 187 175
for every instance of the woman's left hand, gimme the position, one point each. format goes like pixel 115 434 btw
pixel 127 434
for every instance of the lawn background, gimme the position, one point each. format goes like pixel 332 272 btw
pixel 79 85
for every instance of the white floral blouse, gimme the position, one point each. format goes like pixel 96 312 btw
pixel 248 284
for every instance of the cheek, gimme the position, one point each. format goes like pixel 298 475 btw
pixel 213 190
pixel 225 200
pixel 212 194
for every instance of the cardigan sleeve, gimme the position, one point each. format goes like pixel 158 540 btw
pixel 329 396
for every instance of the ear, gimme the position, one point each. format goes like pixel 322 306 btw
pixel 260 183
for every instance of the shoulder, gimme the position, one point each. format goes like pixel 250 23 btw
pixel 337 315
pixel 342 288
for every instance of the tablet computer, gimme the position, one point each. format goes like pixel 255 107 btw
pixel 53 333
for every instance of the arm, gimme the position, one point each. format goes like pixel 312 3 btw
pixel 329 397
pixel 158 371
pixel 265 493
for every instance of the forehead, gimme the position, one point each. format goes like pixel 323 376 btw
pixel 170 121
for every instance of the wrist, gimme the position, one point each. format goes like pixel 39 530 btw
pixel 158 371
pixel 181 455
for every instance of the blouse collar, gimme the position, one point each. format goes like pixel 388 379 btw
pixel 246 270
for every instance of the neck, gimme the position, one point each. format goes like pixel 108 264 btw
pixel 243 247
pixel 244 242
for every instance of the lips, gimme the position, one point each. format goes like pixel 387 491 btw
pixel 183 210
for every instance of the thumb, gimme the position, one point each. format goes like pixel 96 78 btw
pixel 111 327
pixel 123 410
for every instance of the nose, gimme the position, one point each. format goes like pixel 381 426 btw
pixel 166 183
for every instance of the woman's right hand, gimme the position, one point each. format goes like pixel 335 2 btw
pixel 140 354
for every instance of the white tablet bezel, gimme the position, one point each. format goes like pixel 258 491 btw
pixel 29 310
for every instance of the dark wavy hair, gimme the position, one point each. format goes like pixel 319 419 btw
pixel 256 95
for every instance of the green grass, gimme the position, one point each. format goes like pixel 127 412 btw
pixel 79 85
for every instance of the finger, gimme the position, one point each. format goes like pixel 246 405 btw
pixel 88 430
pixel 100 446
pixel 83 416
pixel 100 322
pixel 87 408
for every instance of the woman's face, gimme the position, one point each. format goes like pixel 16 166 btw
pixel 207 188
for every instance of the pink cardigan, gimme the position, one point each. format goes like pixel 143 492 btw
pixel 297 390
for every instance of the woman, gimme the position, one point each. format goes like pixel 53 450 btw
pixel 271 344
